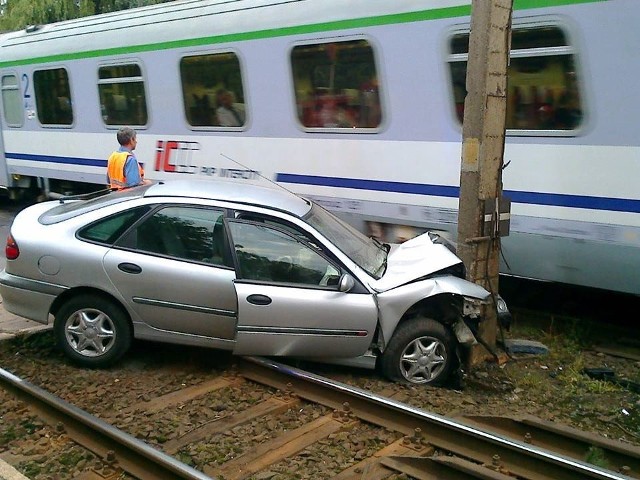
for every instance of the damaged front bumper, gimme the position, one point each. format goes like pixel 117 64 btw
pixel 466 328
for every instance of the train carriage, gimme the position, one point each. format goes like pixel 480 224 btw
pixel 356 104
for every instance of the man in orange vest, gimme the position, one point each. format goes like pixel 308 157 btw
pixel 123 169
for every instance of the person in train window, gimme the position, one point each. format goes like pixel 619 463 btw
pixel 229 113
pixel 546 117
pixel 123 169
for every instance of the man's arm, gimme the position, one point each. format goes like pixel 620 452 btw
pixel 131 172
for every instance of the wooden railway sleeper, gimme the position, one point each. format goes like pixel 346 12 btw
pixel 442 466
pixel 459 438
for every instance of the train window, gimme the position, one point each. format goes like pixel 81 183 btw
pixel 336 85
pixel 212 90
pixel 543 84
pixel 11 101
pixel 53 96
pixel 122 97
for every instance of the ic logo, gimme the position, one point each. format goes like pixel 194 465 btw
pixel 175 156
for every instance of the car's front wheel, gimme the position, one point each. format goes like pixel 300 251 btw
pixel 421 351
pixel 92 331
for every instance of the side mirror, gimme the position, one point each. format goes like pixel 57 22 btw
pixel 346 283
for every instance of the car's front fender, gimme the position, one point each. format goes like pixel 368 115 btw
pixel 393 303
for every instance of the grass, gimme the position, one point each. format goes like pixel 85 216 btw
pixel 595 456
pixel 557 381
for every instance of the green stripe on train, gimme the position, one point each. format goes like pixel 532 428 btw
pixel 425 15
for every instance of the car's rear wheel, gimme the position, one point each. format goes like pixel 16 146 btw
pixel 421 351
pixel 92 331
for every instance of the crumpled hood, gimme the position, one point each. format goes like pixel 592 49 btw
pixel 412 260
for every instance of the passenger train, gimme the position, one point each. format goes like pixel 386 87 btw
pixel 356 104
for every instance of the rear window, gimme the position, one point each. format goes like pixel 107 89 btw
pixel 70 208
pixel 109 229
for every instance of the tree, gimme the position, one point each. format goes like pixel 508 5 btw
pixel 21 13
pixel 104 6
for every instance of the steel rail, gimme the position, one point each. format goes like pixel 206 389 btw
pixel 132 455
pixel 559 438
pixel 459 438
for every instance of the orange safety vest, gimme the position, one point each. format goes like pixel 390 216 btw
pixel 115 170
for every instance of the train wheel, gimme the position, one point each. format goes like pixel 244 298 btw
pixel 92 331
pixel 421 351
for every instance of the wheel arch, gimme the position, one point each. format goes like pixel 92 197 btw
pixel 79 291
pixel 444 308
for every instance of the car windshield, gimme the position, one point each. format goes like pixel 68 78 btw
pixel 369 254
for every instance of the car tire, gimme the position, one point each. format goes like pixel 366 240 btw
pixel 421 351
pixel 92 331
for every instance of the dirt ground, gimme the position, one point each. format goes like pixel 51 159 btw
pixel 551 385
pixel 588 378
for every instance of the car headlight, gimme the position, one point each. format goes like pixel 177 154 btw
pixel 472 308
pixel 504 315
pixel 501 305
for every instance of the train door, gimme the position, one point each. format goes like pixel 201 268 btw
pixel 11 115
pixel 9 91
pixel 4 173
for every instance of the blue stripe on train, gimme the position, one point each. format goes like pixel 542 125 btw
pixel 91 162
pixel 536 198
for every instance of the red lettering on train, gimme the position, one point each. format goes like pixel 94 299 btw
pixel 163 155
pixel 179 152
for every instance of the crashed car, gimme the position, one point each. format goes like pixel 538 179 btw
pixel 250 269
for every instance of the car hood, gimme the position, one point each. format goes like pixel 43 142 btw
pixel 414 259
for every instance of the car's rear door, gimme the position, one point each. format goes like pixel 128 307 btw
pixel 289 302
pixel 170 270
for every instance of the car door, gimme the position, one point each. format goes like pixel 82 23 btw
pixel 289 301
pixel 172 272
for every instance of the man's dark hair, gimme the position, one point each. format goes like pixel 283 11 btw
pixel 125 135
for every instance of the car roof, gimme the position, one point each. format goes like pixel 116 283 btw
pixel 274 197
pixel 229 191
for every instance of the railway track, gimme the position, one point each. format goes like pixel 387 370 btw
pixel 285 419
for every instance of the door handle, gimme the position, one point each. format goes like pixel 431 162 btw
pixel 127 267
pixel 259 299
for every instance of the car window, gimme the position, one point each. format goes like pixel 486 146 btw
pixel 184 232
pixel 288 227
pixel 269 254
pixel 109 229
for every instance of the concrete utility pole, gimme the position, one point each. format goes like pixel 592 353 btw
pixel 482 153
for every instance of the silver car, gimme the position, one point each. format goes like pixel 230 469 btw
pixel 251 269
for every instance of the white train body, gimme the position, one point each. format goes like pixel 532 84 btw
pixel 395 162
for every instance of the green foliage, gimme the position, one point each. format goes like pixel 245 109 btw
pixel 595 456
pixel 30 426
pixel 7 435
pixel 22 13
pixel 30 469
pixel 74 456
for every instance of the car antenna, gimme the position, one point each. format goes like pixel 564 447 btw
pixel 259 174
